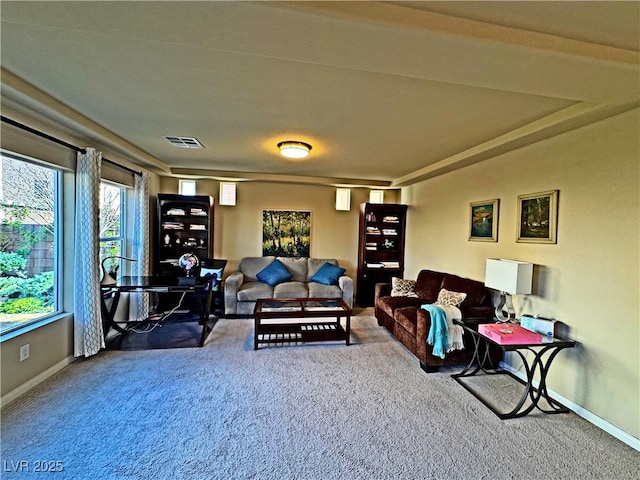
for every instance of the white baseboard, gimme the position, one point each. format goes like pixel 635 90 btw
pixel 621 435
pixel 25 387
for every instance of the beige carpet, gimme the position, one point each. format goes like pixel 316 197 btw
pixel 312 411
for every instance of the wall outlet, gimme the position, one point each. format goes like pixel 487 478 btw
pixel 24 352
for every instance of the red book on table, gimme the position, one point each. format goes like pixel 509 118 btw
pixel 509 334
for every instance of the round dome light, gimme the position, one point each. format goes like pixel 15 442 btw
pixel 293 149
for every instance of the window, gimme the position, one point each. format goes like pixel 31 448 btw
pixel 112 235
pixel 29 242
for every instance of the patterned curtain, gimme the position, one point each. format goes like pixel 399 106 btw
pixel 139 302
pixel 88 333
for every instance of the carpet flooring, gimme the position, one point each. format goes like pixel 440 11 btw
pixel 304 412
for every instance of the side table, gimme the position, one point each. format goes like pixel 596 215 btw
pixel 544 353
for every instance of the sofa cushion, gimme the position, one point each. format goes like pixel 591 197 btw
pixel 251 291
pixel 274 273
pixel 476 291
pixel 389 304
pixel 428 284
pixel 297 266
pixel 250 266
pixel 446 297
pixel 328 274
pixel 408 318
pixel 403 288
pixel 319 290
pixel 291 290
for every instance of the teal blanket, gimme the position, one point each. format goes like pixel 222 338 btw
pixel 439 330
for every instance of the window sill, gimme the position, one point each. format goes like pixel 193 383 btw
pixel 33 326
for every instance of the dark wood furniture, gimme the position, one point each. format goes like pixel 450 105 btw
pixel 380 247
pixel 154 285
pixel 310 309
pixel 185 225
pixel 538 368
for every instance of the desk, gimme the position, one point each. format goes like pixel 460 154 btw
pixel 202 290
pixel 544 353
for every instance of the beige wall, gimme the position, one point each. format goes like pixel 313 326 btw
pixel 238 230
pixel 589 280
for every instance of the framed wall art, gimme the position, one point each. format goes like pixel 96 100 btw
pixel 286 233
pixel 483 218
pixel 538 217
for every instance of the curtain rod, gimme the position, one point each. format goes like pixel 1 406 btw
pixel 59 142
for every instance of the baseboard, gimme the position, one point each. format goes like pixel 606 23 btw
pixel 621 435
pixel 25 387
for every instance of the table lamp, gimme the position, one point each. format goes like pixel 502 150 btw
pixel 509 277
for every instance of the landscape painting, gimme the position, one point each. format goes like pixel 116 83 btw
pixel 484 221
pixel 538 217
pixel 286 233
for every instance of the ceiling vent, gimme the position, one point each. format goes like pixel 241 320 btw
pixel 184 142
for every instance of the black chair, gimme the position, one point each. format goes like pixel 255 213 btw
pixel 213 268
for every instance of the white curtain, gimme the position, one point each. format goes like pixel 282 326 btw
pixel 88 332
pixel 139 302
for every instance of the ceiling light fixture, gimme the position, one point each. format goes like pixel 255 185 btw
pixel 293 149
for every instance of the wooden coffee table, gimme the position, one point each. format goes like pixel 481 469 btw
pixel 311 328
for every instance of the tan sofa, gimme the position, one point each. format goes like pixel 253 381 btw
pixel 242 288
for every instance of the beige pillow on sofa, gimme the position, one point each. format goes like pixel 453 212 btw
pixel 445 297
pixel 403 288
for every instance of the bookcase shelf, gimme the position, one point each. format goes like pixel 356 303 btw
pixel 380 247
pixel 185 225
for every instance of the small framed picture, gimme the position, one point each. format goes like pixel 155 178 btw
pixel 538 217
pixel 484 221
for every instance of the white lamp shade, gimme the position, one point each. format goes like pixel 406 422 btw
pixel 343 199
pixel 509 276
pixel 227 194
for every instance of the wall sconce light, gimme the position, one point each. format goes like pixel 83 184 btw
pixel 343 199
pixel 227 194
pixel 187 187
pixel 376 196
pixel 294 149
pixel 509 277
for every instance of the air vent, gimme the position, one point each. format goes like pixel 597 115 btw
pixel 184 142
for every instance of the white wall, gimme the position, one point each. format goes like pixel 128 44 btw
pixel 588 280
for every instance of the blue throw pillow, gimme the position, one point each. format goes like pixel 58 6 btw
pixel 328 274
pixel 274 273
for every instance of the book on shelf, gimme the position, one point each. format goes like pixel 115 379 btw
pixel 172 225
pixel 374 265
pixel 196 226
pixel 176 211
pixel 390 264
pixel 391 219
pixel 198 212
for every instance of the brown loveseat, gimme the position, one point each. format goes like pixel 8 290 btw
pixel 410 324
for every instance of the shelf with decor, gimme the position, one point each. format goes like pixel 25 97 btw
pixel 185 225
pixel 380 247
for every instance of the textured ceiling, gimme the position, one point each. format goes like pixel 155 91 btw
pixel 387 93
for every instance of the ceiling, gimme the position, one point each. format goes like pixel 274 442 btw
pixel 387 93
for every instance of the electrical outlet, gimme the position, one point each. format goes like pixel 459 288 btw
pixel 24 352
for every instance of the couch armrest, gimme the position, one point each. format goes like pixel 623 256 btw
pixel 346 285
pixel 382 290
pixel 231 286
pixel 423 325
